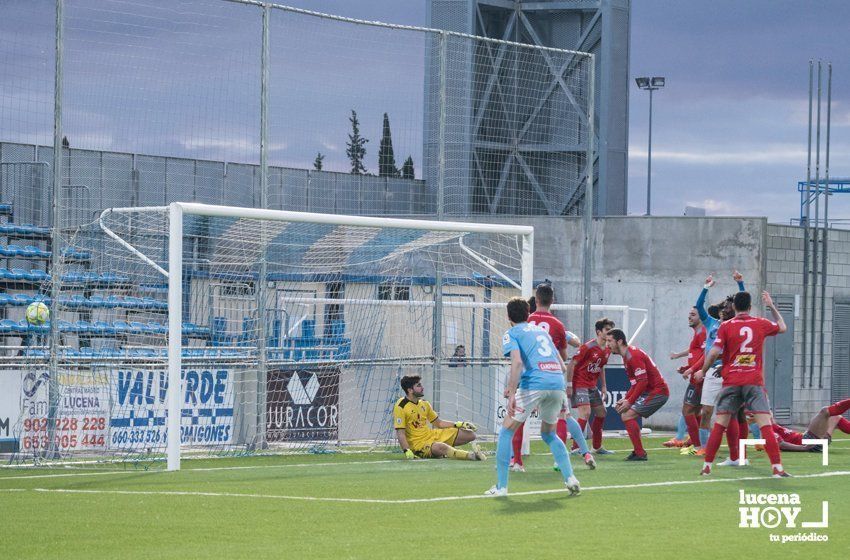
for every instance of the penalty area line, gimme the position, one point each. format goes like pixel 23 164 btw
pixel 414 500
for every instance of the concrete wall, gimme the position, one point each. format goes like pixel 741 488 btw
pixel 812 386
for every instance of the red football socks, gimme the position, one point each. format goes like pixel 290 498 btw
pixel 770 445
pixel 692 421
pixel 634 434
pixel 714 441
pixel 839 408
pixel 517 444
pixel 596 430
pixel 844 425
pixel 744 429
pixel 561 429
pixel 733 433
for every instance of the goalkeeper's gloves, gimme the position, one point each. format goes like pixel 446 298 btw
pixel 408 454
pixel 466 426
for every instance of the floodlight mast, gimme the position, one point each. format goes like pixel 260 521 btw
pixel 650 85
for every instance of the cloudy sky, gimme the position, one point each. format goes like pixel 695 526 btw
pixel 730 128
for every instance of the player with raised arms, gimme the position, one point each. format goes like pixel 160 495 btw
pixel 586 369
pixel 536 380
pixel 740 342
pixel 411 418
pixel 647 394
pixel 712 318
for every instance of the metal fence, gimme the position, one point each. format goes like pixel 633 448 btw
pixel 234 100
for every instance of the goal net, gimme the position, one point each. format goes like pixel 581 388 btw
pixel 283 331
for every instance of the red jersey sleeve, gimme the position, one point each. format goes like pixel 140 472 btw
pixel 641 377
pixel 768 327
pixel 580 356
pixel 559 336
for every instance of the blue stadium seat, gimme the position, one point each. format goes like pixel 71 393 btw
pixel 137 327
pixel 76 301
pixel 36 275
pixel 73 278
pixel 33 252
pixel 102 328
pixel 71 254
pixel 157 328
pixel 121 327
pixel 110 278
pixel 6 209
pixel 131 302
pixel 24 231
pixel 8 326
pixel 22 299
pixel 96 301
pixel 40 329
pixel 5 299
pixel 113 301
pixel 11 250
pixel 83 327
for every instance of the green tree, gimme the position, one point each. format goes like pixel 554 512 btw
pixel 317 163
pixel 407 169
pixel 356 147
pixel 386 157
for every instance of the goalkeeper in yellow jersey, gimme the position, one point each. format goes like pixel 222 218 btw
pixel 411 418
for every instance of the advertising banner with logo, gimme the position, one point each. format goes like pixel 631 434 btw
pixel 82 414
pixel 112 409
pixel 303 405
pixel 139 407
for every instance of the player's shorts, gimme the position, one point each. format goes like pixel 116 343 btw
pixel 585 397
pixel 753 397
pixel 422 449
pixel 814 448
pixel 711 386
pixel 647 405
pixel 548 402
pixel 693 395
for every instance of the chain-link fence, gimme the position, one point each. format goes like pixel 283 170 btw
pixel 259 105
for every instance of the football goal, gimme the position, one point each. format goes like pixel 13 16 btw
pixel 209 330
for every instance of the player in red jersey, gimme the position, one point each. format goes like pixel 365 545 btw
pixel 821 426
pixel 586 369
pixel 648 393
pixel 693 394
pixel 740 342
pixel 544 297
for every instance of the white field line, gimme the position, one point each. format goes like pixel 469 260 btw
pixel 284 466
pixel 413 500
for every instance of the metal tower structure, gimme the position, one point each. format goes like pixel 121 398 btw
pixel 489 172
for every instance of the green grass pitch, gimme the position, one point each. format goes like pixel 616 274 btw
pixel 374 506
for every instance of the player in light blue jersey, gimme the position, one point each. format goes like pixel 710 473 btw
pixel 712 318
pixel 536 381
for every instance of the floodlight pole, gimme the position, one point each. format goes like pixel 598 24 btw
pixel 650 85
pixel 649 160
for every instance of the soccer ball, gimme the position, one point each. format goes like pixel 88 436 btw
pixel 37 313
